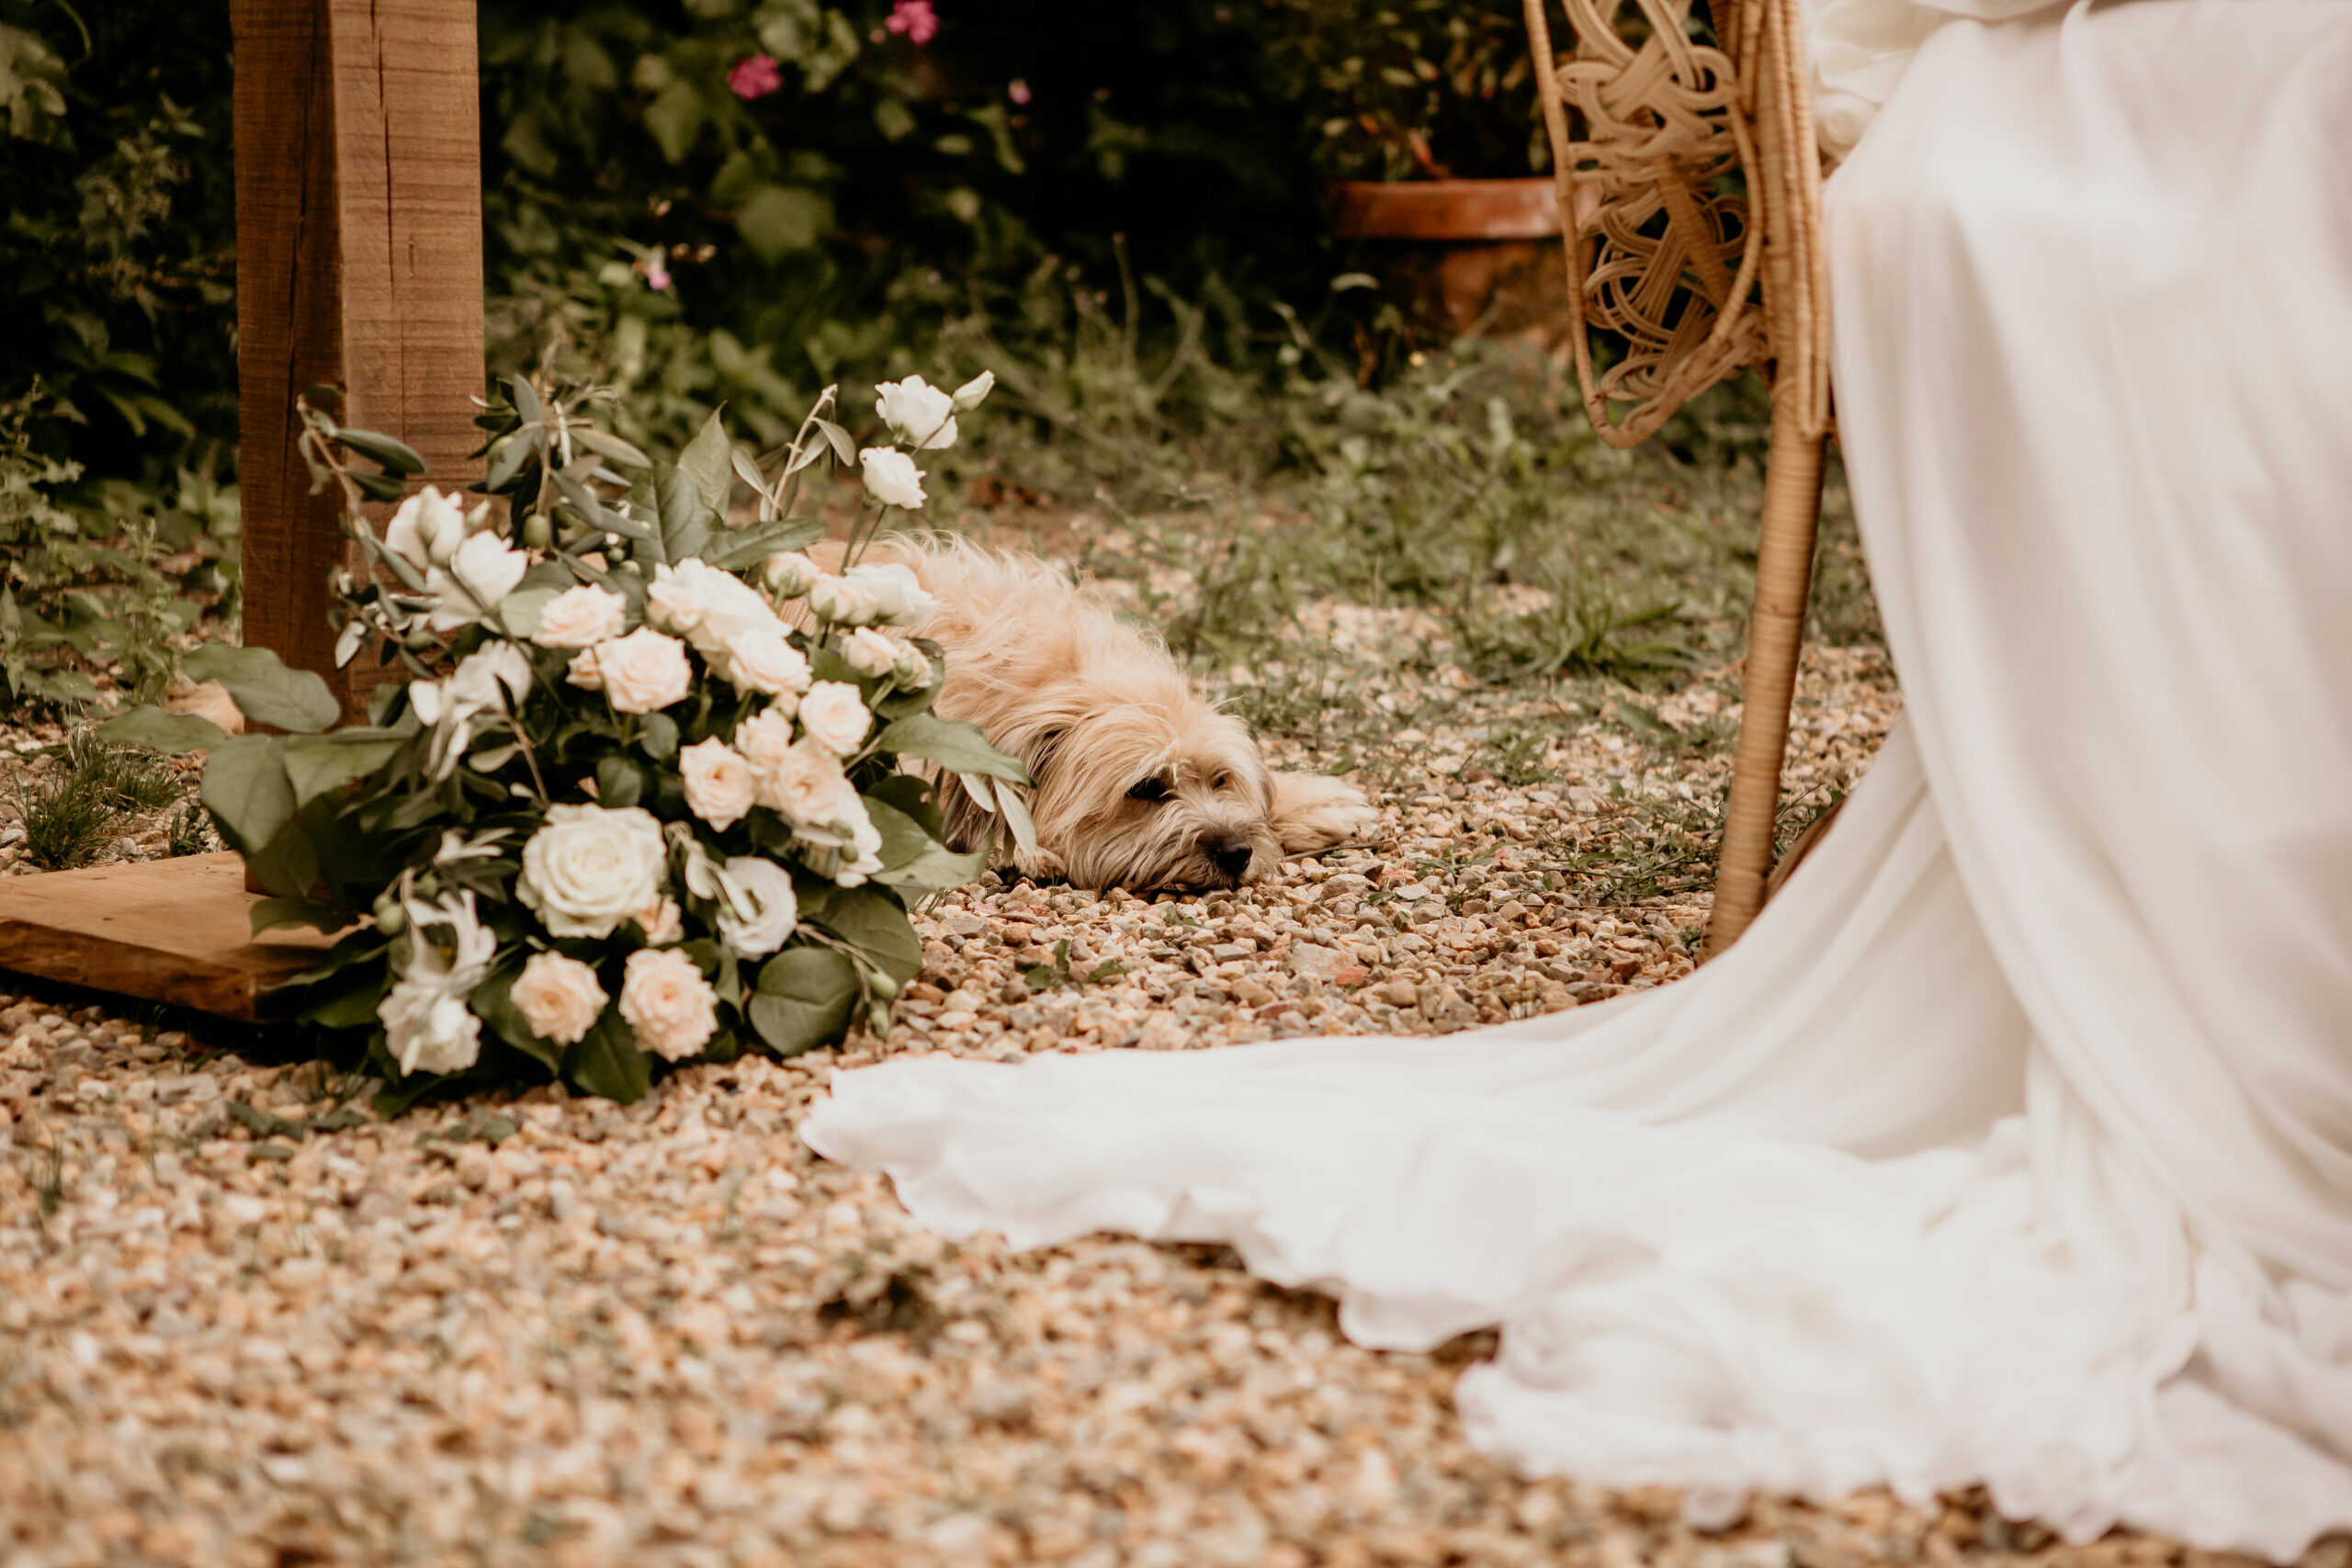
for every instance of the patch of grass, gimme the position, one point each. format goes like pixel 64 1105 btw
pixel 71 815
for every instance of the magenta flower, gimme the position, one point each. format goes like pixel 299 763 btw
pixel 1018 91
pixel 657 277
pixel 916 20
pixel 757 77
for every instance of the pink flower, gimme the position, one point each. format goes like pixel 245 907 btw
pixel 1018 91
pixel 757 77
pixel 916 20
pixel 657 277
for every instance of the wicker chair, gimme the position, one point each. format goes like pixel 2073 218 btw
pixel 1699 280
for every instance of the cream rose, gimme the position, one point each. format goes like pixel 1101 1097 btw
pixel 668 1005
pixel 806 784
pixel 763 739
pixel 869 653
pixel 834 716
pixel 921 413
pixel 592 867
pixel 773 912
pixel 560 998
pixel 427 529
pixel 580 617
pixel 891 478
pixel 719 786
pixel 765 662
pixel 898 597
pixel 641 672
pixel 662 923
pixel 842 601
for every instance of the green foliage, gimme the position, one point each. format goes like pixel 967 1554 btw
pixel 70 814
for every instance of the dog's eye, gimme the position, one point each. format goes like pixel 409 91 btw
pixel 1222 781
pixel 1148 789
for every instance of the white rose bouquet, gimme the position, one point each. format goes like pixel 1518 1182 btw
pixel 631 787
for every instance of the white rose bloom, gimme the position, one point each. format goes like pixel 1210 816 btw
pixel 662 924
pixel 863 857
pixel 560 998
pixel 765 662
pixel 835 716
pixel 891 478
pixel 898 599
pixel 760 911
pixel 805 784
pixel 484 571
pixel 675 602
pixel 842 601
pixel 641 672
pixel 789 573
pixel 708 607
pixel 427 1026
pixel 913 668
pixel 869 653
pixel 669 1006
pixel 719 786
pixel 763 739
pixel 968 395
pixel 427 530
pixel 921 413
pixel 592 867
pixel 580 617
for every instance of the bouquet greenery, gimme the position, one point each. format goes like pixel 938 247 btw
pixel 631 782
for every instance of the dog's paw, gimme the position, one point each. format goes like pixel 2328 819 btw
pixel 1313 813
pixel 1041 867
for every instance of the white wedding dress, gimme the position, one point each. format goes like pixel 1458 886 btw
pixel 2014 1143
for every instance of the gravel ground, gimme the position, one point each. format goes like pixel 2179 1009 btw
pixel 240 1326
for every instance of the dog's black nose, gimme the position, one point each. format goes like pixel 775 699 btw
pixel 1229 852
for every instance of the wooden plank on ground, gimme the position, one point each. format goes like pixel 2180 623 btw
pixel 169 930
pixel 360 265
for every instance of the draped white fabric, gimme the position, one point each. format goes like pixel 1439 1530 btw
pixel 2014 1143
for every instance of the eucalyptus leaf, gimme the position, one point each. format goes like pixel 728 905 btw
pixel 385 488
pixel 318 765
pixel 902 837
pixel 270 914
pixel 658 736
pixel 871 921
pixel 684 518
pixel 934 869
pixel 159 731
pixel 606 1061
pixel 955 743
pixel 610 445
pixel 734 551
pixel 705 461
pixel 265 690
pixel 1016 816
pixel 804 999
pixel 397 456
pixel 844 448
pixel 247 790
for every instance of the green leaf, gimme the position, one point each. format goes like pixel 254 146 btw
pixel 804 1000
pixel 396 455
pixel 871 922
pixel 914 797
pixel 658 736
pixel 265 690
pixel 934 869
pixel 706 461
pixel 682 520
pixel 779 220
pixel 159 731
pixel 902 837
pixel 606 1061
pixel 732 551
pixel 519 612
pixel 318 764
pixel 620 781
pixel 271 913
pixel 955 743
pixel 674 117
pixel 379 487
pixel 247 790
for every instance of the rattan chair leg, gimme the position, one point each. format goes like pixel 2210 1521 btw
pixel 1775 634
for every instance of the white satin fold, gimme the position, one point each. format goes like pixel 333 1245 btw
pixel 2013 1144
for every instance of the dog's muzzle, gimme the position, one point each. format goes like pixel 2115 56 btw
pixel 1229 852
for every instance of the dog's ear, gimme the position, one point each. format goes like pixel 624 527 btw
pixel 1038 754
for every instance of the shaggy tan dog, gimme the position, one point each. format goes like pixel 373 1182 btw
pixel 1140 782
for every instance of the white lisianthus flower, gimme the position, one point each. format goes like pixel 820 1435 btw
pixel 662 924
pixel 560 998
pixel 592 867
pixel 913 668
pixel 643 672
pixel 842 601
pixel 891 478
pixel 580 617
pixel 484 571
pixel 899 598
pixel 922 415
pixel 668 1005
pixel 968 395
pixel 427 530
pixel 496 667
pixel 719 786
pixel 760 911
pixel 427 1026
pixel 805 784
pixel 788 573
pixel 869 653
pixel 765 662
pixel 863 856
pixel 488 680
pixel 834 715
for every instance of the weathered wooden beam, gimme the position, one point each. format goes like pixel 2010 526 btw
pixel 360 265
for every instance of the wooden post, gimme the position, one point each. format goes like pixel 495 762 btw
pixel 360 266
